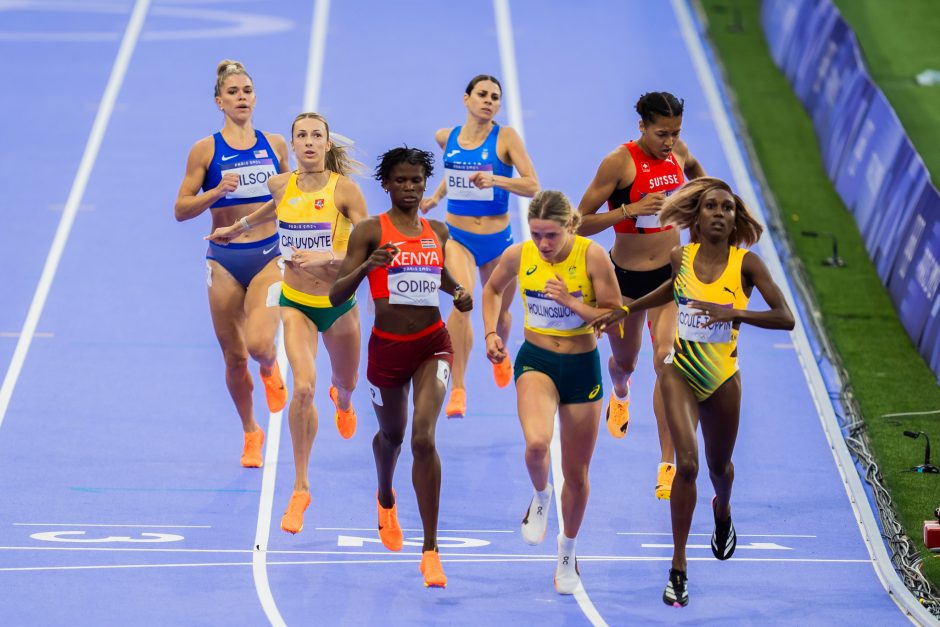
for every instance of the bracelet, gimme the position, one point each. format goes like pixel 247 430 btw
pixel 623 210
pixel 244 222
pixel 489 334
pixel 457 290
pixel 626 309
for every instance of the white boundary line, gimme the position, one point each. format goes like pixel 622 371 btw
pixel 87 164
pixel 512 98
pixel 867 525
pixel 259 563
pixel 110 525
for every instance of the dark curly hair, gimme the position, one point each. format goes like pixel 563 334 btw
pixel 660 103
pixel 403 154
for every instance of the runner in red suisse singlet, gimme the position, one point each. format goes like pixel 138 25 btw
pixel 652 175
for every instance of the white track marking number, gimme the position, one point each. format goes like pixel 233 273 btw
pixel 70 536
pixel 442 542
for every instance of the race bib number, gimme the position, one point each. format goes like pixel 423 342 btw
pixel 544 313
pixel 414 285
pixel 648 222
pixel 459 186
pixel 692 325
pixel 316 236
pixel 253 177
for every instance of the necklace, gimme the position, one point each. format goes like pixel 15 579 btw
pixel 310 171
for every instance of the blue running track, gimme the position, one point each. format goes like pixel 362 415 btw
pixel 123 500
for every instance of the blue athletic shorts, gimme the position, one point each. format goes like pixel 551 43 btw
pixel 484 248
pixel 244 261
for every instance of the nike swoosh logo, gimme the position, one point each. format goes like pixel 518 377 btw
pixel 452 153
pixel 397 244
pixel 226 158
pixel 267 250
pixel 442 353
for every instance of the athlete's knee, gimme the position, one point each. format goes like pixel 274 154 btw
pixel 346 382
pixel 235 360
pixel 659 361
pixel 303 390
pixel 721 469
pixel 576 478
pixel 391 439
pixel 620 368
pixel 260 348
pixel 536 449
pixel 422 445
pixel 687 466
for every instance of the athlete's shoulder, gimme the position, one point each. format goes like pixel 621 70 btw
pixel 203 147
pixel 441 135
pixel 279 181
pixel 275 139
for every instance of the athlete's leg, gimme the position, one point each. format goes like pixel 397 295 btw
pixel 682 416
pixel 625 350
pixel 300 341
pixel 430 384
pixel 504 322
pixel 262 321
pixel 342 341
pixel 578 424
pixel 720 416
pixel 392 416
pixel 663 323
pixel 537 401
pixel 227 306
pixel 461 266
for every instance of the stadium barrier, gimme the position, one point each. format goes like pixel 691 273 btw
pixel 868 156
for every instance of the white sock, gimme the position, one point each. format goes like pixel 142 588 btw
pixel 544 496
pixel 625 396
pixel 566 554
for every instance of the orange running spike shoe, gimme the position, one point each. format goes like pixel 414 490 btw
pixel 293 519
pixel 274 390
pixel 345 418
pixel 502 372
pixel 432 570
pixel 251 454
pixel 664 476
pixel 457 405
pixel 389 529
pixel 618 415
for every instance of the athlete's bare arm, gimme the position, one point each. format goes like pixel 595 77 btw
pixel 362 254
pixel 512 151
pixel 505 271
pixel 189 201
pixel 690 165
pixel 429 202
pixel 616 171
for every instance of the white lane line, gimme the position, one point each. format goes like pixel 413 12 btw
pixel 111 525
pixel 511 94
pixel 865 519
pixel 87 164
pixel 321 13
pixel 318 29
pixel 417 558
pixel 372 529
pixel 513 99
pixel 740 535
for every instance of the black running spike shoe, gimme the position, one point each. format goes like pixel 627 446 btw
pixel 676 593
pixel 724 540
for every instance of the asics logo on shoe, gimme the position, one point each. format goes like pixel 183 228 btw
pixel 228 157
